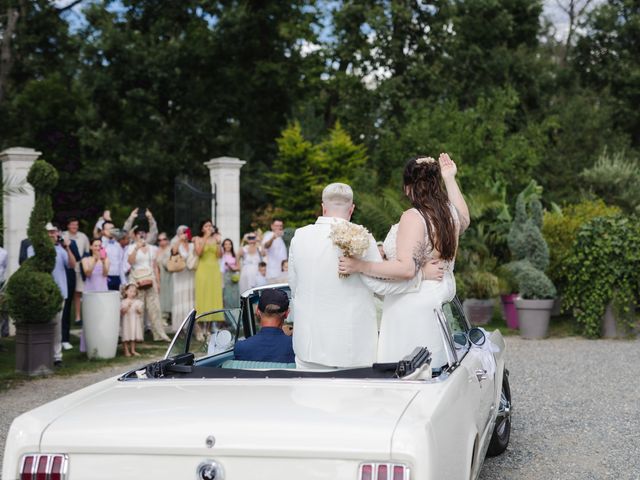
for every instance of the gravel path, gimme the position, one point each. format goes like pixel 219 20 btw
pixel 576 409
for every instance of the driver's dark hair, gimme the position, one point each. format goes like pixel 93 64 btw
pixel 424 188
pixel 273 310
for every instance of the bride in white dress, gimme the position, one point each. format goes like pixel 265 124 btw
pixel 427 233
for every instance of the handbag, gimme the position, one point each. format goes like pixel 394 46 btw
pixel 143 276
pixel 176 263
pixel 192 260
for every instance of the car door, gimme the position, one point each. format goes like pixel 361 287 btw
pixel 470 359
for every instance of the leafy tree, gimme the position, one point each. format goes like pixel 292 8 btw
pixel 607 58
pixel 301 171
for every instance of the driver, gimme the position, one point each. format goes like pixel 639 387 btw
pixel 270 344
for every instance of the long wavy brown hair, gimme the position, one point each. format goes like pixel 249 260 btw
pixel 424 187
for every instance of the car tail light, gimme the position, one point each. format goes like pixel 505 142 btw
pixel 384 471
pixel 44 467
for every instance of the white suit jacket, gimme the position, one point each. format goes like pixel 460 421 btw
pixel 334 318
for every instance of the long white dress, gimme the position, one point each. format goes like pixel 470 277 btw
pixel 250 262
pixel 408 319
pixel 183 291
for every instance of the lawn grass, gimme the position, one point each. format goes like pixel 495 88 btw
pixel 75 362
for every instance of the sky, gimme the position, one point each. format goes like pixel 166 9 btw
pixel 551 10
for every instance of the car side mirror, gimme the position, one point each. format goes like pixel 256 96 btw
pixel 477 336
pixel 460 339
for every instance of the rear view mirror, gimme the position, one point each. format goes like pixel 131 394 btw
pixel 477 337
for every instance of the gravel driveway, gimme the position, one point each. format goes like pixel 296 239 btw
pixel 576 409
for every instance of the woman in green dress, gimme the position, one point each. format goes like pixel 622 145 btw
pixel 208 279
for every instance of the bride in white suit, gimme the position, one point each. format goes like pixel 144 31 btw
pixel 428 232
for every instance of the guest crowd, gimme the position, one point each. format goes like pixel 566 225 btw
pixel 161 277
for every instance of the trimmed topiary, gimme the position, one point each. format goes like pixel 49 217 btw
pixel 32 295
pixel 529 248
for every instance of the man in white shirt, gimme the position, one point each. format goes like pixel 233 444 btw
pixel 275 249
pixel 115 254
pixel 335 318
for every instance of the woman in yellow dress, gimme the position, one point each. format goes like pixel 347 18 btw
pixel 208 279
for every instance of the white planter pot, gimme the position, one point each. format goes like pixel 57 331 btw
pixel 101 323
pixel 533 316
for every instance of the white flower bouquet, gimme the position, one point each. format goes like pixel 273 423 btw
pixel 352 239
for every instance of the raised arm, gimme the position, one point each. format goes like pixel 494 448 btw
pixel 448 169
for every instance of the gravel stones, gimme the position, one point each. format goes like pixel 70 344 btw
pixel 576 411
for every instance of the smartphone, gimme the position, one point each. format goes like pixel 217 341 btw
pixel 103 253
pixel 141 211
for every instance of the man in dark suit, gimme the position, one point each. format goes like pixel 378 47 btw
pixel 24 246
pixel 270 344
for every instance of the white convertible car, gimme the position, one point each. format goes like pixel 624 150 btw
pixel 200 414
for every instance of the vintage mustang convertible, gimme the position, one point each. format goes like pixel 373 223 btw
pixel 201 414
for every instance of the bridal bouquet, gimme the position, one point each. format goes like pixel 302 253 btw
pixel 352 239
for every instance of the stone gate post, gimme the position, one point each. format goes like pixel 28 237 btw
pixel 16 208
pixel 225 182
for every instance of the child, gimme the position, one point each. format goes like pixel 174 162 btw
pixel 261 277
pixel 131 310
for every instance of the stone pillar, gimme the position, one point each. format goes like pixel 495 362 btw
pixel 225 182
pixel 16 208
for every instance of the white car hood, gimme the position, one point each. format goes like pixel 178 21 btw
pixel 248 416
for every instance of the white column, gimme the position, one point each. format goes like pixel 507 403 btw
pixel 225 182
pixel 16 208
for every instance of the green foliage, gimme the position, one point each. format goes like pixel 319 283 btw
pixel 533 284
pixel 32 295
pixel 481 284
pixel 560 230
pixel 615 179
pixel 604 267
pixel 525 238
pixel 378 211
pixel 607 59
pixel 528 247
pixel 301 171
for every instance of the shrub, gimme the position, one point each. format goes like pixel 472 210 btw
pixel 481 284
pixel 32 295
pixel 528 247
pixel 604 267
pixel 560 230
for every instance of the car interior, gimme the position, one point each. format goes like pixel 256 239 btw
pixel 204 349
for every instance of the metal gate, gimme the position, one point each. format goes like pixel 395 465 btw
pixel 193 202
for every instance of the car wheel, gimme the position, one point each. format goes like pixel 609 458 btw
pixel 502 429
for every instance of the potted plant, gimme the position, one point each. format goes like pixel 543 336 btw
pixel 604 273
pixel 481 287
pixel 32 296
pixel 531 255
pixel 508 287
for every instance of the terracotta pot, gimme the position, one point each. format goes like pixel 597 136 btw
pixel 509 310
pixel 478 311
pixel 533 316
pixel 34 348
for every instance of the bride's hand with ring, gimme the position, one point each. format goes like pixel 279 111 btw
pixel 349 265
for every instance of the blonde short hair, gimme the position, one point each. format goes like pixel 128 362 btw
pixel 337 195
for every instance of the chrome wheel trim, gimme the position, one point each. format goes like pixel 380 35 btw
pixel 504 414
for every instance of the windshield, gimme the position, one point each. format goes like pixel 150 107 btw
pixel 210 333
